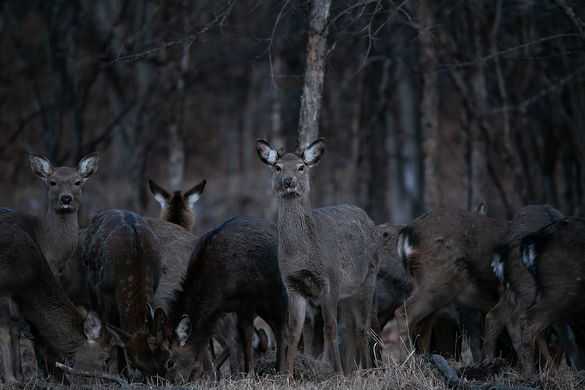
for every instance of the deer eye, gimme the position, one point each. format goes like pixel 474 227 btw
pixel 301 168
pixel 52 183
pixel 170 364
pixel 78 182
pixel 278 168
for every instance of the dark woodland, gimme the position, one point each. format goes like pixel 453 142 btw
pixel 424 103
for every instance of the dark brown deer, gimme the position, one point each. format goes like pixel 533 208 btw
pixel 234 268
pixel 122 257
pixel 177 206
pixel 329 254
pixel 447 252
pixel 56 233
pixel 517 286
pixel 60 332
pixel 555 256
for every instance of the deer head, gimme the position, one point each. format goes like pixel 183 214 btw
pixel 177 207
pixel 64 183
pixel 290 173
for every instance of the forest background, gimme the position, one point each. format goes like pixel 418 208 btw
pixel 424 103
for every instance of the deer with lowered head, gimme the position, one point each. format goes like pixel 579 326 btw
pixel 555 257
pixel 61 333
pixel 177 207
pixel 56 234
pixel 123 261
pixel 517 286
pixel 447 253
pixel 329 254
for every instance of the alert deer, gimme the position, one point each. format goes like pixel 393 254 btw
pixel 447 254
pixel 56 233
pixel 329 254
pixel 233 268
pixel 517 286
pixel 177 206
pixel 59 330
pixel 554 255
pixel 122 257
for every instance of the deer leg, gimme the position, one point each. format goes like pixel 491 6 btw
pixel 494 324
pixel 246 330
pixel 308 330
pixel 329 310
pixel 6 353
pixel 423 333
pixel 532 324
pixel 296 319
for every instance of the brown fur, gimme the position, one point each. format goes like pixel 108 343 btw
pixel 330 254
pixel 555 254
pixel 60 332
pixel 517 286
pixel 56 234
pixel 447 254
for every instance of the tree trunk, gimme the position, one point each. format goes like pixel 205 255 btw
pixel 429 107
pixel 314 73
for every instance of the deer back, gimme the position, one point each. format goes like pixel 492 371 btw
pixel 451 241
pixel 123 258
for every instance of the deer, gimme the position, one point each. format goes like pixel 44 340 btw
pixel 447 254
pixel 327 254
pixel 60 332
pixel 56 233
pixel 177 206
pixel 554 256
pixel 123 261
pixel 516 284
pixel 233 269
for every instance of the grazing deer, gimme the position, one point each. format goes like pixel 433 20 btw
pixel 56 233
pixel 59 330
pixel 177 207
pixel 447 254
pixel 517 286
pixel 234 268
pixel 122 257
pixel 555 256
pixel 329 254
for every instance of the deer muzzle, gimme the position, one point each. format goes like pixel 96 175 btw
pixel 290 182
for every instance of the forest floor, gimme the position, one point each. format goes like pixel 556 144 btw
pixel 418 372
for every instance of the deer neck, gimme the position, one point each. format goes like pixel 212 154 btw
pixel 59 238
pixel 295 220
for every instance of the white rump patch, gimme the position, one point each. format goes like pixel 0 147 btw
pixel 528 256
pixel 161 200
pixel 498 267
pixel 404 247
pixel 191 199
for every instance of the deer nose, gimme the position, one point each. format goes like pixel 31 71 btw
pixel 66 199
pixel 287 181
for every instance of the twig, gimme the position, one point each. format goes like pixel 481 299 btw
pixel 94 374
pixel 457 383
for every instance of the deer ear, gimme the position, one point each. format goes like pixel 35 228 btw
pixel 160 194
pixel 40 166
pixel 267 153
pixel 193 194
pixel 183 330
pixel 88 165
pixel 92 326
pixel 160 319
pixel 312 153
pixel 119 338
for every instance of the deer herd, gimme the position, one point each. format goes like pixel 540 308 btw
pixel 143 296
